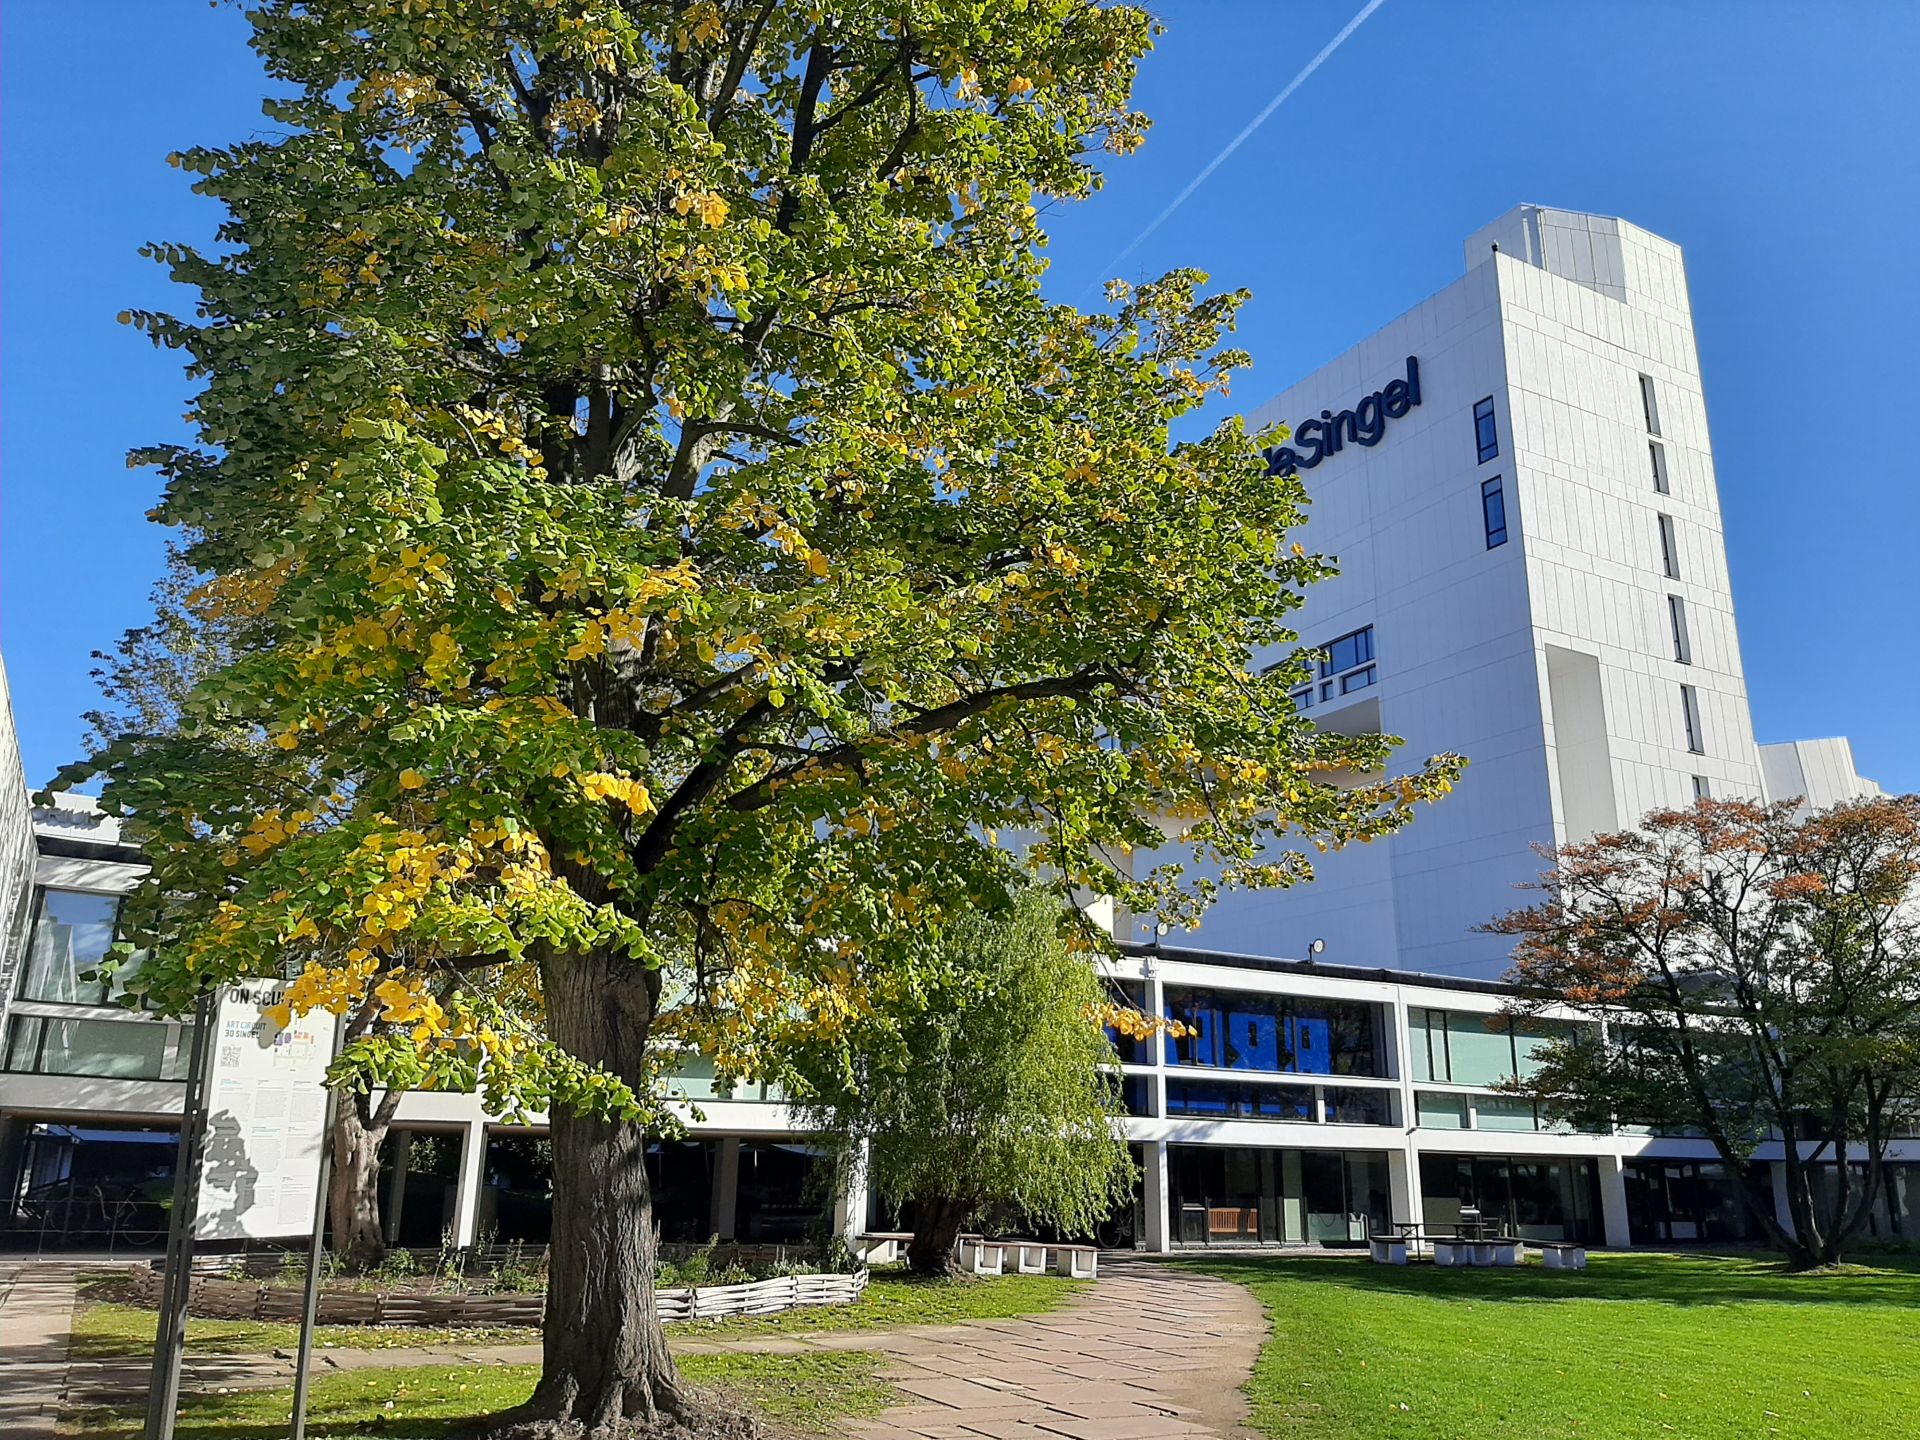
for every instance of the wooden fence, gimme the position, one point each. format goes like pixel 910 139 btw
pixel 240 1300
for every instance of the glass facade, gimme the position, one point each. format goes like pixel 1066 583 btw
pixel 1532 1197
pixel 1281 1034
pixel 1230 1100
pixel 1680 1200
pixel 1895 1212
pixel 1133 994
pixel 1300 1197
pixel 113 1049
pixel 1457 1048
pixel 72 933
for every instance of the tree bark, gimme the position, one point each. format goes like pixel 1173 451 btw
pixel 937 1221
pixel 605 1370
pixel 353 1193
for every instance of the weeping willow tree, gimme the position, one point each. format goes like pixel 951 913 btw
pixel 990 1093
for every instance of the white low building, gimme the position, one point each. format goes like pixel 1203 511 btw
pixel 1517 479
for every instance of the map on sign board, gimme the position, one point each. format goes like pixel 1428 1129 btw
pixel 266 1118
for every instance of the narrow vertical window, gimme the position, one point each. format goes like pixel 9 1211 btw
pixel 1657 455
pixel 1682 643
pixel 1486 433
pixel 1649 406
pixel 1701 789
pixel 1669 549
pixel 1493 510
pixel 1690 713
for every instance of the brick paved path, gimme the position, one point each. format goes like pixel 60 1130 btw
pixel 1148 1352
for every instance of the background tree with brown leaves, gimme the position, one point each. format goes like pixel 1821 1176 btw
pixel 1758 976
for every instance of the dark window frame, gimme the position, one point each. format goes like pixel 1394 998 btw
pixel 1669 546
pixel 1363 652
pixel 1682 634
pixel 1690 717
pixel 1493 498
pixel 1649 405
pixel 1486 430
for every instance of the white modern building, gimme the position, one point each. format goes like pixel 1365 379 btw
pixel 1517 480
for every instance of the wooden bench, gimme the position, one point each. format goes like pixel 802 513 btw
pixel 1561 1254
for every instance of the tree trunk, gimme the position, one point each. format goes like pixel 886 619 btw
pixel 353 1194
pixel 605 1369
pixel 937 1221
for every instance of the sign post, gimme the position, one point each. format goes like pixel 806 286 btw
pixel 252 1134
pixel 310 1302
pixel 176 1280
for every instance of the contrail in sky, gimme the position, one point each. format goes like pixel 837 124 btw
pixel 1113 265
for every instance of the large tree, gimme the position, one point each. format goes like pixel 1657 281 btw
pixel 992 1091
pixel 685 537
pixel 1759 977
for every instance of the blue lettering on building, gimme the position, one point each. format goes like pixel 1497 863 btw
pixel 1365 424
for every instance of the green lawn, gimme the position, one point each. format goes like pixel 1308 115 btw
pixel 102 1330
pixel 804 1393
pixel 1692 1346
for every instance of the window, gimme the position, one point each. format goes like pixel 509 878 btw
pixel 1457 1048
pixel 1248 1030
pixel 1130 995
pixel 1435 1111
pixel 1701 789
pixel 1507 1112
pixel 1669 548
pixel 1658 454
pixel 1486 433
pixel 1682 644
pixel 1348 651
pixel 1493 510
pixel 1354 1106
pixel 113 1049
pixel 1240 1101
pixel 1649 406
pixel 1690 713
pixel 72 934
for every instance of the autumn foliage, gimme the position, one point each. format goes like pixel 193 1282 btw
pixel 1758 975
pixel 676 539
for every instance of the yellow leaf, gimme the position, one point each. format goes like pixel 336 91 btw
pixel 412 780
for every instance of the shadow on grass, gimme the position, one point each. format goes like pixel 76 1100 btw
pixel 1670 1279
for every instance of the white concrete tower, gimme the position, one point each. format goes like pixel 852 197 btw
pixel 1517 480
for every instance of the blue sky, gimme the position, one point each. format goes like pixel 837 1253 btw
pixel 1772 140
